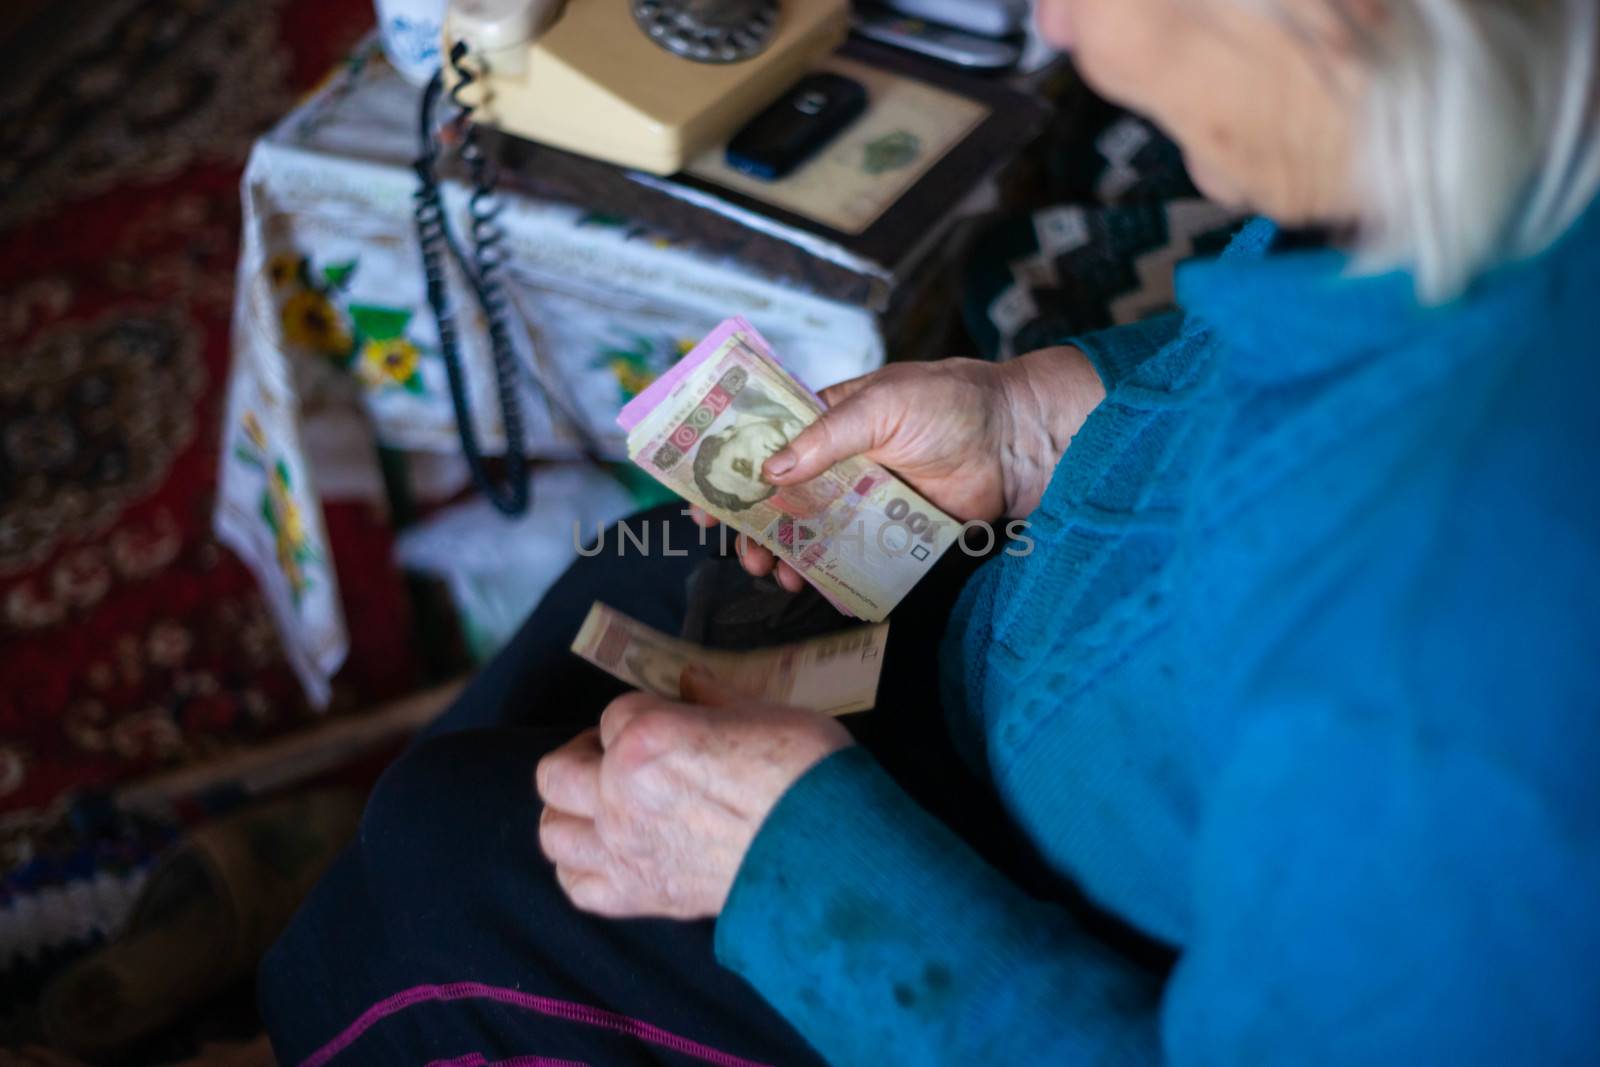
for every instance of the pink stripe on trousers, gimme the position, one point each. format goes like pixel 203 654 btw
pixel 478 1059
pixel 559 1009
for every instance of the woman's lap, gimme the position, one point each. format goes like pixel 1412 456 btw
pixel 445 915
pixel 446 901
pixel 535 679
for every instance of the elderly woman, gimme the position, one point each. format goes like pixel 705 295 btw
pixel 1279 747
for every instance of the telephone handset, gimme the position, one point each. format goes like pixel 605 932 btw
pixel 644 84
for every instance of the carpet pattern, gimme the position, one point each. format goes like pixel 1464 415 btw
pixel 131 641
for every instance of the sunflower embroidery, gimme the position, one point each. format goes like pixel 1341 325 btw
pixel 637 366
pixel 310 321
pixel 280 511
pixel 291 525
pixel 631 379
pixel 370 340
pixel 392 360
pixel 285 270
pixel 253 431
pixel 388 358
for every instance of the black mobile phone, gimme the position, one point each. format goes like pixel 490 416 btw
pixel 792 130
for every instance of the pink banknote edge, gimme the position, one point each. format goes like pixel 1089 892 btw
pixel 636 409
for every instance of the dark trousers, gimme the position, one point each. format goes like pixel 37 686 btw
pixel 441 934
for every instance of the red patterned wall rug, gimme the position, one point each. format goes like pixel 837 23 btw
pixel 130 641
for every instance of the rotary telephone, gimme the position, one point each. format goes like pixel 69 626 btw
pixel 644 84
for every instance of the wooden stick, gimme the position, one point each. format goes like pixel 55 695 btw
pixel 298 756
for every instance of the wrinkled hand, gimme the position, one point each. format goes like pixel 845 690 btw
pixel 652 813
pixel 978 439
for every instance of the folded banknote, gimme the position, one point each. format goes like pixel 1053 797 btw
pixel 856 532
pixel 836 674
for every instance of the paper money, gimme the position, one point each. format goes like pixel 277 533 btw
pixel 836 674
pixel 856 532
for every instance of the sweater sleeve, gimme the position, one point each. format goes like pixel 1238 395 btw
pixel 1378 903
pixel 1117 353
pixel 883 938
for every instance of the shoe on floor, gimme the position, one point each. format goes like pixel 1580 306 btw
pixel 205 917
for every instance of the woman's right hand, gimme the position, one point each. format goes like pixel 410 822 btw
pixel 978 439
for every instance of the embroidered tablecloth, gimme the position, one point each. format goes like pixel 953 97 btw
pixel 329 314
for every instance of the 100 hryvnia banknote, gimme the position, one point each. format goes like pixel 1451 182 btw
pixel 858 533
pixel 836 674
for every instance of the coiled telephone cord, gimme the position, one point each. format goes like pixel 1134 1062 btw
pixel 512 493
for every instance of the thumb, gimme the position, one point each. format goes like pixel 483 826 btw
pixel 698 685
pixel 847 430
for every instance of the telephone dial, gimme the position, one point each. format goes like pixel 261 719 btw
pixel 644 84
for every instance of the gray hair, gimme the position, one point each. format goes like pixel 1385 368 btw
pixel 1482 136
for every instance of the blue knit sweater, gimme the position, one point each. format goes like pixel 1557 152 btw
pixel 1301 678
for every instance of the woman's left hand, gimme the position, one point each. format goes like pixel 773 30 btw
pixel 651 813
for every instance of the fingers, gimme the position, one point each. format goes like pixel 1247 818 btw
pixel 760 561
pixel 849 428
pixel 757 559
pixel 620 712
pixel 790 578
pixel 834 395
pixel 593 893
pixel 568 779
pixel 569 841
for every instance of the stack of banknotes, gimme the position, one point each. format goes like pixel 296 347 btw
pixel 836 674
pixel 857 533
